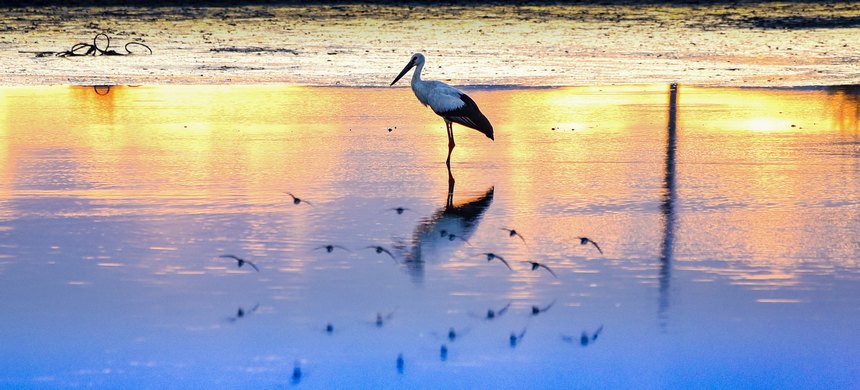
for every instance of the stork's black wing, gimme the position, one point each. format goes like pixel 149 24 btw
pixel 469 115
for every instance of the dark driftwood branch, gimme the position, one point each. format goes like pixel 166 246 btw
pixel 85 49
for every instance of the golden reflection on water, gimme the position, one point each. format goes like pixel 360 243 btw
pixel 754 166
pixel 6 157
pixel 165 138
pixel 772 149
pixel 783 110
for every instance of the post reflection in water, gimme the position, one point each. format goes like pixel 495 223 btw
pixel 114 209
pixel 667 207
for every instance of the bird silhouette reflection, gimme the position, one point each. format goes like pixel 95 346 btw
pixel 493 314
pixel 381 319
pixel 453 335
pixel 296 378
pixel 515 338
pixel 585 338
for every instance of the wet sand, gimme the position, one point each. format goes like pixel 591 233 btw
pixel 771 44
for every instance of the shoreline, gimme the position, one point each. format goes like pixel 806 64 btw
pixel 467 87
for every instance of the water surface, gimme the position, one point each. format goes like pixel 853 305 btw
pixel 727 220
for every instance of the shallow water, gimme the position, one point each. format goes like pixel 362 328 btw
pixel 727 218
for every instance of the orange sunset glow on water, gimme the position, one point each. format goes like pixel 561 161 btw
pixel 748 156
pixel 241 136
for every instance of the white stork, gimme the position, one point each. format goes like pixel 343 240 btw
pixel 446 101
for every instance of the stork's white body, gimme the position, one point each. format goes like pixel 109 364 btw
pixel 439 96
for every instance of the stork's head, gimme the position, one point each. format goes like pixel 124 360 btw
pixel 416 60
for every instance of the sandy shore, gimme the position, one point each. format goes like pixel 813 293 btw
pixel 792 44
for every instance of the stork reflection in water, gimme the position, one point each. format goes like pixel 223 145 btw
pixel 428 241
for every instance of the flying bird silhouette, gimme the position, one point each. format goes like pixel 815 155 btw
pixel 491 256
pixel 586 240
pixel 297 200
pixel 399 210
pixel 514 233
pixel 330 248
pixel 535 265
pixel 452 237
pixel 380 249
pixel 240 261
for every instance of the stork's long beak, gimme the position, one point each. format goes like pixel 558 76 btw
pixel 403 72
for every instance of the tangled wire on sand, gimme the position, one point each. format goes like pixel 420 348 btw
pixel 85 49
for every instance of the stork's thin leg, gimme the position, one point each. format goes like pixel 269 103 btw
pixel 450 143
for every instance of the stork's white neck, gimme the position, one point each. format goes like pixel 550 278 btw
pixel 420 87
pixel 416 75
